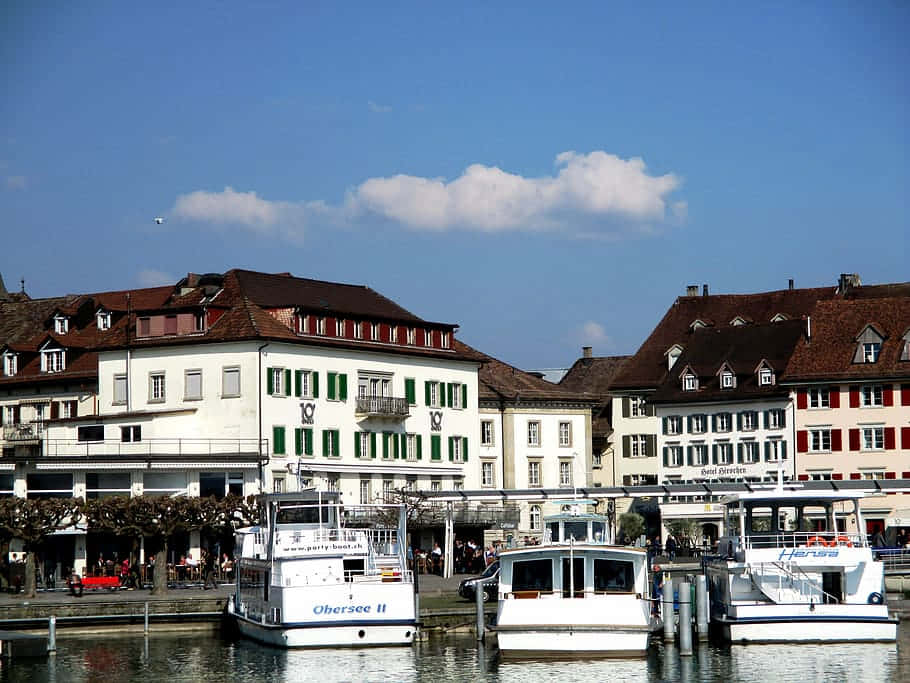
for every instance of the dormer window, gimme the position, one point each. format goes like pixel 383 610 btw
pixel 673 354
pixel 871 351
pixel 765 377
pixel 339 327
pixel 445 340
pixel 905 347
pixel 690 382
pixel 358 330
pixel 727 380
pixel 61 324
pixel 103 320
pixel 303 324
pixel 199 321
pixel 374 331
pixel 698 324
pixel 427 338
pixel 53 360
pixel 779 317
pixel 739 320
pixel 320 326
pixel 412 336
pixel 10 364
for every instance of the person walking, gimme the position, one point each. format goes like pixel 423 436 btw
pixel 208 569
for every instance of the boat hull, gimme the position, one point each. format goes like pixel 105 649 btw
pixel 808 630
pixel 370 634
pixel 571 640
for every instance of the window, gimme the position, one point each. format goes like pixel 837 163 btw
pixel 61 324
pixel 638 444
pixel 192 385
pixel 486 474
pixel 435 482
pixel 320 325
pixel 749 451
pixel 533 474
pixel 699 455
pixel 90 433
pixel 445 340
pixel 131 433
pixel 457 484
pixel 374 331
pixel 613 576
pixel 106 484
pixel 819 440
pixel 565 473
pixel 411 452
pixel 362 446
pixel 486 433
pixel 872 396
pixel 156 387
pixel 775 419
pixel 639 480
pixel 457 449
pixel 393 334
pixel 412 336
pixel 67 409
pixel 365 494
pixel 748 420
pixel 339 327
pixel 673 425
pixel 230 382
pixel 278 484
pixel 722 422
pixel 374 386
pixel 819 397
pixel 690 382
pixel 427 338
pixel 535 519
pixel 637 407
pixel 775 450
pixel 303 441
pixel 119 390
pixel 331 482
pixel 698 424
pixel 330 443
pixel 432 394
pixel 871 351
pixel 10 364
pixel 103 320
pixel 873 438
pixel 303 323
pixel 199 321
pixel 358 334
pixel 11 415
pixel 456 389
pixel 820 476
pixel 727 380
pixel 275 380
pixel 387 491
pixel 873 474
pixel 765 377
pixel 534 433
pixel 52 360
pixel 565 434
pixel 143 327
pixel 674 456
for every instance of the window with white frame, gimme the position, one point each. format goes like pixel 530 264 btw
pixel 374 331
pixel 533 473
pixel 427 338
pixel 690 382
pixel 776 419
pixel 724 450
pixel 486 474
pixel 52 360
pixel 565 434
pixel 365 494
pixel 119 389
pixel 872 396
pixel 68 409
pixel 435 389
pixel 776 450
pixel 340 324
pixel 39 409
pixel 230 382
pixel 320 325
pixel 446 340
pixel 870 475
pixel 637 407
pixel 486 432
pixel 873 438
pixel 750 451
pixel 533 433
pixel 10 364
pixel 723 422
pixel 332 482
pixel 393 335
pixel 156 387
pixel 374 385
pixel 565 473
pixel 457 451
pixel 535 518
pixel 435 482
pixel 131 433
pixel 9 415
pixel 749 419
pixel 103 320
pixel 278 484
pixel 303 323
pixel 410 482
pixel 457 395
pixel 765 377
pixel 192 385
pixel 673 425
pixel 596 460
pixel 871 351
pixel 699 454
pixel 699 423
pixel 638 445
pixel 199 321
pixel 412 336
pixel 411 446
pixel 364 438
pixel 277 381
pixel 358 330
pixel 674 454
pixel 820 440
pixel 819 397
pixel 457 484
pixel 387 490
pixel 727 380
pixel 61 324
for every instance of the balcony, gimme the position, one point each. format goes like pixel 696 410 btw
pixel 191 447
pixel 382 406
pixel 27 432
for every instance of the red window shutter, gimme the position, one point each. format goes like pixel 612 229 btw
pixel 854 396
pixel 890 475
pixel 834 397
pixel 854 439
pixel 836 444
pixel 837 475
pixel 889 439
pixel 905 394
pixel 856 475
pixel 888 395
pixel 905 437
pixel 802 441
pixel 802 399
pixel 905 475
pixel 803 477
pixel 55 410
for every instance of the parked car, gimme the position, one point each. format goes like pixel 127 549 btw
pixel 489 580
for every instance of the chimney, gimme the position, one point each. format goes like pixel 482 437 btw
pixel 790 283
pixel 586 352
pixel 704 290
pixel 692 290
pixel 846 282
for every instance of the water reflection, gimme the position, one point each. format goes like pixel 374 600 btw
pixel 194 656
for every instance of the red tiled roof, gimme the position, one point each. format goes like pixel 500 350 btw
pixel 593 376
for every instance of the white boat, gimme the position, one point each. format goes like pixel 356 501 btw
pixel 319 574
pixel 574 595
pixel 795 566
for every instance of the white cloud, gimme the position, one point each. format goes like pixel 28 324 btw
pixel 379 108
pixel 587 186
pixel 150 277
pixel 16 182
pixel 229 206
pixel 591 333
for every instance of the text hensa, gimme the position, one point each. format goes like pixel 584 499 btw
pixel 349 609
pixel 795 554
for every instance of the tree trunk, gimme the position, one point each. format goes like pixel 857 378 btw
pixel 159 582
pixel 30 585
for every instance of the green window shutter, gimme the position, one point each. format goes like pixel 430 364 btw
pixel 626 446
pixel 442 394
pixel 626 407
pixel 449 388
pixel 298 441
pixel 307 441
pixel 666 457
pixel 464 395
pixel 278 440
pixel 287 382
pixel 435 447
pixel 385 445
pixel 395 451
pixel 356 444
pixel 269 381
pixel 372 444
pixel 298 382
pixel 325 443
pixel 330 388
pixel 651 445
pixel 451 450
pixel 420 447
pixel 783 450
pixel 404 446
pixel 342 387
pixel 409 392
pixel 315 379
pixel 464 449
pixel 426 392
pixel 337 433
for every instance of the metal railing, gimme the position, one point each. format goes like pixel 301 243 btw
pixel 150 447
pixel 796 539
pixel 25 431
pixel 895 560
pixel 383 405
pixel 800 585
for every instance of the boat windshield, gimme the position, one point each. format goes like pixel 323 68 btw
pixel 305 514
pixel 532 575
pixel 613 576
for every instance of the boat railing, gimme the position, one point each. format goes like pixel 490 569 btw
pixel 799 583
pixel 895 560
pixel 799 539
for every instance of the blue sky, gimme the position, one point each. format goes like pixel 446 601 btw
pixel 546 177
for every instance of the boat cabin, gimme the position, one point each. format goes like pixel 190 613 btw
pixel 577 527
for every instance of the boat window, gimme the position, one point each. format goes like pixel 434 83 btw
pixel 613 576
pixel 576 577
pixel 532 575
pixel 759 520
pixel 600 532
pixel 304 515
pixel 576 530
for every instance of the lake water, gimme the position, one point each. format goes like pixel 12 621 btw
pixel 195 656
